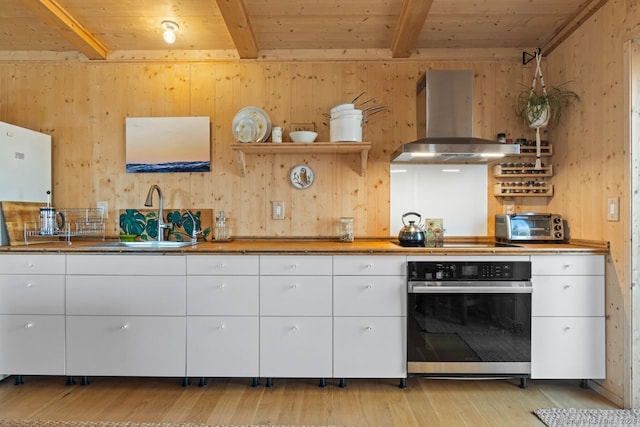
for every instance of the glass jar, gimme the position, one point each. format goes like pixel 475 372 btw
pixel 221 230
pixel 346 229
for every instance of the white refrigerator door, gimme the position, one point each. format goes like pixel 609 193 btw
pixel 25 167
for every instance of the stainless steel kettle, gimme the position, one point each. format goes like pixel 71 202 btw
pixel 412 234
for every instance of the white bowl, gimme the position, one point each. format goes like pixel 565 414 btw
pixel 303 136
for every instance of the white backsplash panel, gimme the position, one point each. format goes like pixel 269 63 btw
pixel 455 193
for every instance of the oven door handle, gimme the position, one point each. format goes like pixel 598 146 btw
pixel 423 288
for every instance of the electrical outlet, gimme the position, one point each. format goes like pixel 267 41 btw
pixel 303 126
pixel 104 206
pixel 277 210
pixel 509 208
pixel 613 209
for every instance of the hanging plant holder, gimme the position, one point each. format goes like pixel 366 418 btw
pixel 538 114
pixel 543 108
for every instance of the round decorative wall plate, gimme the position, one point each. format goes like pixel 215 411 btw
pixel 301 176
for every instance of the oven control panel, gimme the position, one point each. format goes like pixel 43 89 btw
pixel 469 270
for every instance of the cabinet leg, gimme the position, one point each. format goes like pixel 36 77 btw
pixel 203 382
pixel 584 383
pixel 342 383
pixel 70 381
pixel 185 382
pixel 403 383
pixel 255 382
pixel 269 382
pixel 523 382
pixel 84 381
pixel 19 380
pixel 323 383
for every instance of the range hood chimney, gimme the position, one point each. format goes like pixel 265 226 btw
pixel 445 123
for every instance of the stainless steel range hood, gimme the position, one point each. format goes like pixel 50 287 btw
pixel 445 123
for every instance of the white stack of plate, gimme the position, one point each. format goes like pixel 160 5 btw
pixel 251 124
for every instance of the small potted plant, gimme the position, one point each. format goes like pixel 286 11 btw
pixel 544 108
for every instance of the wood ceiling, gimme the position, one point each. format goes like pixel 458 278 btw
pixel 248 29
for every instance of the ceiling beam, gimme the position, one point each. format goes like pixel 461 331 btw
pixel 410 23
pixel 51 13
pixel 235 17
pixel 572 24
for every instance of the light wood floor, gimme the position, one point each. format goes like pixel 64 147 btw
pixel 363 403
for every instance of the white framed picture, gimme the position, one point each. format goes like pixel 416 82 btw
pixel 168 144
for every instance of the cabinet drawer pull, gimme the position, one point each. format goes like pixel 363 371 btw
pixel 28 325
pixel 294 328
pixel 567 328
pixel 125 326
pixel 30 265
pixel 369 266
pixel 293 266
pixel 566 266
pixel 567 286
pixel 294 286
pixel 221 327
pixel 221 265
pixel 368 286
pixel 369 328
pixel 28 285
pixel 222 286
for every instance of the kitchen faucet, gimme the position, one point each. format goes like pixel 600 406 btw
pixel 149 202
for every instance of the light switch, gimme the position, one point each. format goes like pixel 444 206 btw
pixel 277 210
pixel 613 209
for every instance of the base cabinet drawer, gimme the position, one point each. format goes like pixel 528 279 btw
pixel 369 347
pixel 568 347
pixel 32 294
pixel 369 296
pixel 567 296
pixel 32 345
pixel 219 346
pixel 126 346
pixel 296 347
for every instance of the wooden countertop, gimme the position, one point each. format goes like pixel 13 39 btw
pixel 460 246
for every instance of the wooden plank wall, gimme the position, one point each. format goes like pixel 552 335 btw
pixel 83 106
pixel 592 163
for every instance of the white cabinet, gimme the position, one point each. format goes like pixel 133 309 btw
pixel 32 324
pixel 222 316
pixel 568 323
pixel 126 346
pixel 369 308
pixel 126 315
pixel 296 316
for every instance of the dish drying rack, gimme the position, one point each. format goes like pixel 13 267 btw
pixel 78 222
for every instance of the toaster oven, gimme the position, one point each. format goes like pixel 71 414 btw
pixel 530 227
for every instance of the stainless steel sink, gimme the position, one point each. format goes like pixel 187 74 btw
pixel 150 244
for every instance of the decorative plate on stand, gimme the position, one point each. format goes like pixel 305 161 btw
pixel 301 176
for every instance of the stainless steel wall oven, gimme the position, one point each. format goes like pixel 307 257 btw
pixel 469 318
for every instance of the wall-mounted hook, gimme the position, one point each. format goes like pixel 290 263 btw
pixel 528 57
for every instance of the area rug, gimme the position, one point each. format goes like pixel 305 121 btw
pixel 41 423
pixel 588 417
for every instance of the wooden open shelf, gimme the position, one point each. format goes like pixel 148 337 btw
pixel 361 148
pixel 521 170
pixel 515 189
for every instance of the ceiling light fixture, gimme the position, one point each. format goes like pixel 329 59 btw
pixel 169 34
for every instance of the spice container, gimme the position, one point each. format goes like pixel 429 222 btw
pixel 276 134
pixel 346 229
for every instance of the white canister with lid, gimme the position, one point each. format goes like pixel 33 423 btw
pixel 346 126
